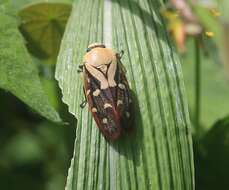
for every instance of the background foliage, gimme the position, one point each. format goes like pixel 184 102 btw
pixel 35 152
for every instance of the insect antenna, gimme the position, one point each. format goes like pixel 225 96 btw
pixel 80 68
pixel 83 104
pixel 119 55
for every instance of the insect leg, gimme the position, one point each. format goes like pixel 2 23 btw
pixel 83 104
pixel 80 68
pixel 120 54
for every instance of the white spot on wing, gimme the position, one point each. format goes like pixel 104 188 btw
pixel 106 105
pixel 119 102
pixel 127 114
pixel 94 110
pixel 105 120
pixel 122 86
pixel 88 92
pixel 96 92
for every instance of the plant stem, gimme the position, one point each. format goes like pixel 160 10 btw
pixel 197 86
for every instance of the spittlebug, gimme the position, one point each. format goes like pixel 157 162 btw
pixel 106 90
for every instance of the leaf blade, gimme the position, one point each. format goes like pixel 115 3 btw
pixel 18 74
pixel 42 25
pixel 155 158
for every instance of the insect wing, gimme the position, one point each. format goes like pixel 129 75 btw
pixel 123 97
pixel 102 106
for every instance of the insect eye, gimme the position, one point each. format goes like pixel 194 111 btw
pixel 88 49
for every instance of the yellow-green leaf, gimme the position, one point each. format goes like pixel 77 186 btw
pixel 43 25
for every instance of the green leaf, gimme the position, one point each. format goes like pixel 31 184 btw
pixel 212 154
pixel 18 74
pixel 23 148
pixel 159 155
pixel 224 45
pixel 19 4
pixel 214 86
pixel 43 25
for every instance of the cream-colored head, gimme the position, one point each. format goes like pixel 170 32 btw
pixel 95 45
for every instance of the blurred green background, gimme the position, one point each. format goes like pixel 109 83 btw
pixel 35 153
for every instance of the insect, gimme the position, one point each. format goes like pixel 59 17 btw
pixel 106 90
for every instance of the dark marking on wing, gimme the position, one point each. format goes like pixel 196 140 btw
pixel 107 119
pixel 114 119
pixel 123 95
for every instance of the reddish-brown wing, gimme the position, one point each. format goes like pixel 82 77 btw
pixel 102 104
pixel 123 97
